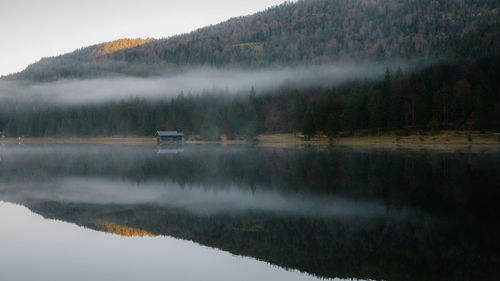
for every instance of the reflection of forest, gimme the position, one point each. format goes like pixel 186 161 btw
pixel 444 183
pixel 416 248
pixel 452 236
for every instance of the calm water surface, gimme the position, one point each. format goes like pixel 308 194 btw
pixel 105 212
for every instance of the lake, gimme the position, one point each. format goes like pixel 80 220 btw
pixel 242 212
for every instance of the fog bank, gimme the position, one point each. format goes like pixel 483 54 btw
pixel 197 81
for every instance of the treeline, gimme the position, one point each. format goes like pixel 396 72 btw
pixel 302 32
pixel 458 96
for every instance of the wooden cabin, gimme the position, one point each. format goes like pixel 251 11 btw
pixel 169 137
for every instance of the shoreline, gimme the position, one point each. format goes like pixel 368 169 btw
pixel 448 140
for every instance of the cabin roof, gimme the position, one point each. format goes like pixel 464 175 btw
pixel 169 134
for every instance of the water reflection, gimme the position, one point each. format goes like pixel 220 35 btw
pixel 34 248
pixel 169 149
pixel 376 214
pixel 195 198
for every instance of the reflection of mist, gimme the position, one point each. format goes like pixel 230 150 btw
pixel 195 81
pixel 197 199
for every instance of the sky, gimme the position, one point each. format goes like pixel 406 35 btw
pixel 32 29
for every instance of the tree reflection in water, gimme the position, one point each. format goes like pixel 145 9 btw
pixel 337 212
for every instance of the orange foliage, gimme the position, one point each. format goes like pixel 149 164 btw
pixel 118 45
pixel 123 230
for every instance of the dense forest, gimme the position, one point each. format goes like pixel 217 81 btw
pixel 302 32
pixel 459 90
pixel 456 96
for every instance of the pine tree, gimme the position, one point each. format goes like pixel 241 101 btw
pixel 332 127
pixel 308 128
pixel 296 111
pixel 385 100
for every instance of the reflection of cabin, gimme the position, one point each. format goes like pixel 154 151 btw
pixel 166 137
pixel 169 150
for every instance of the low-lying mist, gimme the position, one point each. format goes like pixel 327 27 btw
pixel 193 198
pixel 196 81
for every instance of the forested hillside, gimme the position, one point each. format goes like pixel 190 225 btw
pixel 458 87
pixel 302 32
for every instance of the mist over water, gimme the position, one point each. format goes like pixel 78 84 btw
pixel 193 198
pixel 78 174
pixel 196 81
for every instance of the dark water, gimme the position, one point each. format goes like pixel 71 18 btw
pixel 103 212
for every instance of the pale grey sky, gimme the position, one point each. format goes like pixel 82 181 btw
pixel 32 29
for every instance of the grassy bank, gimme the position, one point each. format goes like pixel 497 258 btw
pixel 81 140
pixel 445 141
pixel 442 141
pixel 446 137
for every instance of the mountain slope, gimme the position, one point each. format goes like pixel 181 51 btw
pixel 118 45
pixel 304 32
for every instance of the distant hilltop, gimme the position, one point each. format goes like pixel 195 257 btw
pixel 294 33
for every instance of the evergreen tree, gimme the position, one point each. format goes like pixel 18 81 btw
pixel 385 100
pixel 396 111
pixel 332 127
pixel 296 111
pixel 484 104
pixel 308 128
